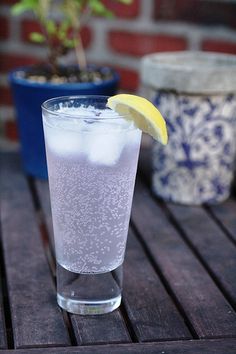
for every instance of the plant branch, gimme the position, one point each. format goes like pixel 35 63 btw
pixel 57 35
pixel 79 51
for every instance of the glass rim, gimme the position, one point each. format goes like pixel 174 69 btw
pixel 82 115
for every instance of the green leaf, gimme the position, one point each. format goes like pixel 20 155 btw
pixel 62 31
pixel 99 9
pixel 17 9
pixel 64 25
pixel 126 2
pixel 37 37
pixel 61 35
pixel 23 6
pixel 108 14
pixel 68 43
pixel 51 27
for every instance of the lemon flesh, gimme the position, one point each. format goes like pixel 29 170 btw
pixel 144 114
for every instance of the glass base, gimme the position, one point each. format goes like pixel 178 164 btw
pixel 89 294
pixel 88 307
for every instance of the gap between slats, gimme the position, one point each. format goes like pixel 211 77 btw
pixel 5 299
pixel 224 228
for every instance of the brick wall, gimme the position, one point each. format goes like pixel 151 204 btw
pixel 144 27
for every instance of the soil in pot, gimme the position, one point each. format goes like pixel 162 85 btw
pixel 69 74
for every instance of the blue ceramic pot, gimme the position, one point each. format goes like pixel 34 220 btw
pixel 196 93
pixel 28 97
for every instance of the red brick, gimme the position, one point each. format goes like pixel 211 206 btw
pixel 5 97
pixel 86 36
pixel 12 61
pixel 11 131
pixel 4 32
pixel 219 46
pixel 139 44
pixel 122 10
pixel 196 11
pixel 29 26
pixel 129 79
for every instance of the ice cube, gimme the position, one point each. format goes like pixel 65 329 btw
pixel 134 137
pixel 95 133
pixel 63 142
pixel 105 148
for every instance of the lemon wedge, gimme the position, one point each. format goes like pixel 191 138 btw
pixel 144 114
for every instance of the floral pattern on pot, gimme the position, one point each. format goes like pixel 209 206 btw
pixel 197 164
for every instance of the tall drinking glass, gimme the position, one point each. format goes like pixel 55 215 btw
pixel 92 155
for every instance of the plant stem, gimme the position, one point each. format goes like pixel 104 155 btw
pixel 79 51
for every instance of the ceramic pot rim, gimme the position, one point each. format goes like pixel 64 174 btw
pixel 61 86
pixel 190 72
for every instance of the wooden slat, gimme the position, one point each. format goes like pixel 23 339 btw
pixel 211 244
pixel 43 192
pixel 181 347
pixel 91 329
pixel 204 305
pixel 36 319
pixel 207 238
pixel 3 338
pixel 226 214
pixel 109 328
pixel 150 309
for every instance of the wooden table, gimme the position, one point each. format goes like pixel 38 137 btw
pixel 179 277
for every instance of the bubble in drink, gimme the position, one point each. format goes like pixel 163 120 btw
pixel 92 168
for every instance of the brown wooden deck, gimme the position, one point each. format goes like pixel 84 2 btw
pixel 179 277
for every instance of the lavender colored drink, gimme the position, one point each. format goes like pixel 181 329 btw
pixel 92 156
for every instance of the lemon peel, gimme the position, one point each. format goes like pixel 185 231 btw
pixel 144 114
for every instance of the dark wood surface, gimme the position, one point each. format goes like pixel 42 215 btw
pixel 179 276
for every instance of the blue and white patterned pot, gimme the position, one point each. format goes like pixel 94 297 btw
pixel 197 164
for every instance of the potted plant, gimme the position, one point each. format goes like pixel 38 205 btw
pixel 31 86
